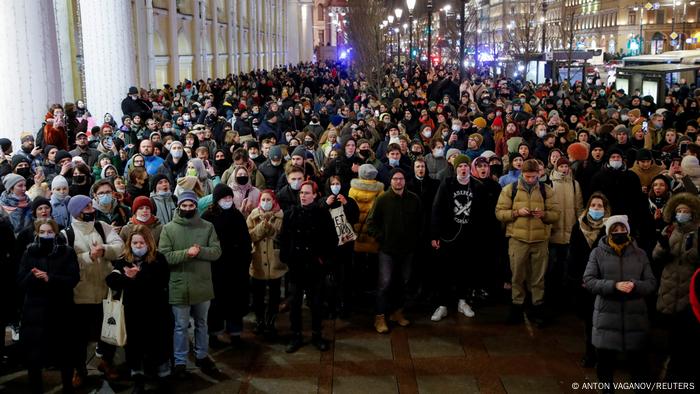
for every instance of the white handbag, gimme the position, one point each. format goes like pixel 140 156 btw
pixel 113 325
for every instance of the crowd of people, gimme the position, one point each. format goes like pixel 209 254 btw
pixel 272 190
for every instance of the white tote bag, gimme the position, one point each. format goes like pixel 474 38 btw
pixel 113 325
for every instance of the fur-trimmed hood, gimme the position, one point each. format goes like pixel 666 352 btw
pixel 368 185
pixel 688 199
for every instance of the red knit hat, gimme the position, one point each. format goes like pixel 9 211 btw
pixel 497 122
pixel 562 160
pixel 577 151
pixel 139 202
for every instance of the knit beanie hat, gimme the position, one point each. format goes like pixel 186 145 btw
pixel 562 160
pixel 77 204
pixel 157 178
pixel 478 138
pixel 39 201
pixel 17 159
pixel 59 181
pixel 299 151
pixel 451 152
pixel 461 159
pixel 47 149
pixel 141 201
pixel 10 180
pixel 616 219
pixel 488 154
pixel 689 164
pixel 480 122
pixel 62 154
pixel 187 195
pixel 577 151
pixel 514 155
pixel 634 112
pixel 368 172
pixel 220 191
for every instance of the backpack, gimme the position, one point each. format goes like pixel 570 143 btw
pixel 70 234
pixel 514 191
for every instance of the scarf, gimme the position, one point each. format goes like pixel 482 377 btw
pixel 590 228
pixel 618 248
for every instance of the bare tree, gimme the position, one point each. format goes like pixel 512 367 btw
pixel 524 35
pixel 566 32
pixel 367 39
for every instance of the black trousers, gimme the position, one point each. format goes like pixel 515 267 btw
pixel 266 313
pixel 459 277
pixel 88 325
pixel 684 333
pixel 306 277
pixel 607 360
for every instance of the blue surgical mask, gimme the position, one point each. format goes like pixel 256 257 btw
pixel 335 189
pixel 596 214
pixel 683 217
pixel 295 184
pixel 105 199
pixel 139 252
pixel 393 162
pixel 266 205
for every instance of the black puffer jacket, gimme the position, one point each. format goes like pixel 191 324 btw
pixel 307 236
pixel 620 320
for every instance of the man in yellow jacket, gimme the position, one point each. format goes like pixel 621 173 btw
pixel 527 212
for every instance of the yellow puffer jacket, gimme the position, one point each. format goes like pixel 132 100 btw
pixel 527 229
pixel 265 264
pixel 567 195
pixel 364 192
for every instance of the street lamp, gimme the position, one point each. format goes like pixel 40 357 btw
pixel 398 12
pixel 430 32
pixel 410 4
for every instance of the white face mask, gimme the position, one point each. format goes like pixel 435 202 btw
pixel 266 205
pixel 616 164
pixel 335 189
pixel 456 127
pixel 438 152
pixel 295 184
pixel 541 133
pixel 394 140
pixel 143 217
pixel 253 156
pixel 225 204
pixel 427 133
pixel 176 154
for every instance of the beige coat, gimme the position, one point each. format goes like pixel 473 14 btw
pixel 92 288
pixel 567 195
pixel 264 228
pixel 527 229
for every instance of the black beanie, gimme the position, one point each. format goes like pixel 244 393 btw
pixel 220 191
pixel 37 202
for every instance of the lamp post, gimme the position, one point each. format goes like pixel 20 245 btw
pixel 477 18
pixel 462 4
pixel 390 20
pixel 430 32
pixel 398 12
pixel 410 4
pixel 544 24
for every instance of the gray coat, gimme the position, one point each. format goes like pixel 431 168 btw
pixel 620 321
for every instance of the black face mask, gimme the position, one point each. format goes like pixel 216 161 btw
pixel 220 163
pixel 619 238
pixel 242 180
pixel 309 144
pixel 365 153
pixel 187 214
pixel 88 216
pixel 23 172
pixel 79 179
pixel 46 244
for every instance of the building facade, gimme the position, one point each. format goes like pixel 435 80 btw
pixel 65 50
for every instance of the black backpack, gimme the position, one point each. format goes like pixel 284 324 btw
pixel 70 234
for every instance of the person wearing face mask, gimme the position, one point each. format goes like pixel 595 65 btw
pixel 677 252
pixel 230 271
pixel 22 167
pixel 134 104
pixel 393 161
pixel 307 242
pixel 435 160
pixel 345 218
pixel 108 209
pixel 244 193
pixel 619 275
pixel 266 270
pixel 190 245
pixel 527 211
pixel 623 189
pixel 175 164
pixel 143 214
pixel 141 276
pixel 59 201
pixel 15 202
pixel 96 244
pixel 288 195
pixel 47 275
pixel 567 194
pixel 273 168
pixel 585 236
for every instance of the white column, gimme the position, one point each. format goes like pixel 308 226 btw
pixel 214 38
pixel 293 41
pixel 29 71
pixel 306 31
pixel 197 43
pixel 150 50
pixel 107 52
pixel 174 65
pixel 230 34
pixel 63 16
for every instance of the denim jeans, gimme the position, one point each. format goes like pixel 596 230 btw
pixel 394 275
pixel 181 343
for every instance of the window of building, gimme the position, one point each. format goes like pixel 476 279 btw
pixel 321 14
pixel 632 18
pixel 660 14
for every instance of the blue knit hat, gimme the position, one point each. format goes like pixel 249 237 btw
pixel 187 195
pixel 77 204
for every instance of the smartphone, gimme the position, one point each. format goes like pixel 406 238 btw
pixel 376 112
pixel 645 127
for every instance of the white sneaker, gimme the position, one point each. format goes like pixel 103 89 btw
pixel 465 309
pixel 439 314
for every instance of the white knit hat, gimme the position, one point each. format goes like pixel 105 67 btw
pixel 616 219
pixel 59 181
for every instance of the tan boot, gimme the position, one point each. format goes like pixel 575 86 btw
pixel 380 324
pixel 399 318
